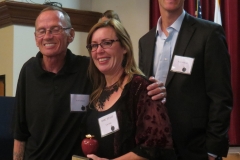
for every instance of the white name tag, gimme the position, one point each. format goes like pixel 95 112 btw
pixel 79 102
pixel 182 64
pixel 108 124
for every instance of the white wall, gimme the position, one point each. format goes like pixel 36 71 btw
pixel 24 47
pixel 6 57
pixel 134 15
pixel 75 4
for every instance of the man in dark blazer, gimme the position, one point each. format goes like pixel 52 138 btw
pixel 200 102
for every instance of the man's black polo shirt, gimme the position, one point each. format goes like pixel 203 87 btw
pixel 42 112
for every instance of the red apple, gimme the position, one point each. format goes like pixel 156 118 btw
pixel 89 145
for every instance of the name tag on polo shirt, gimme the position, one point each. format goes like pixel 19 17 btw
pixel 79 102
pixel 108 124
pixel 182 64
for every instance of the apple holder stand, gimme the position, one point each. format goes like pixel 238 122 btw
pixel 75 157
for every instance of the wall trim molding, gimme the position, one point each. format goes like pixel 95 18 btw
pixel 20 13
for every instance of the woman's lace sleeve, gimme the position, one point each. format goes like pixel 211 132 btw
pixel 153 128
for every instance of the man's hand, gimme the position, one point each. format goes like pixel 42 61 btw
pixel 157 90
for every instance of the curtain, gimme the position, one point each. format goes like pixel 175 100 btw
pixel 231 24
pixel 154 13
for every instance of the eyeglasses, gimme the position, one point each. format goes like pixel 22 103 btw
pixel 104 44
pixel 54 31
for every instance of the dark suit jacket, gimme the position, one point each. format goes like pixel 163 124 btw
pixel 199 104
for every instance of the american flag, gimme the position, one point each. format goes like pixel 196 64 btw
pixel 217 13
pixel 198 9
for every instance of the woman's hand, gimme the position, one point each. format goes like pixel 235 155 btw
pixel 94 157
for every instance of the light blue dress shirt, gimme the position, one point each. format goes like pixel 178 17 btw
pixel 160 39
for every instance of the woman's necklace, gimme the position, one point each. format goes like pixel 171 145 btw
pixel 106 93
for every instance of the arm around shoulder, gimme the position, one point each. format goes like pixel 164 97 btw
pixel 153 129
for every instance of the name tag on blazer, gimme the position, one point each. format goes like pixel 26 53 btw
pixel 182 64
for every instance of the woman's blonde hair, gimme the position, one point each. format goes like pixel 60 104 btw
pixel 110 14
pixel 128 63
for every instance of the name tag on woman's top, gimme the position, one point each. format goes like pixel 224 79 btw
pixel 108 124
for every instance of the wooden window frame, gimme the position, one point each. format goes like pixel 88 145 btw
pixel 2 79
pixel 20 13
